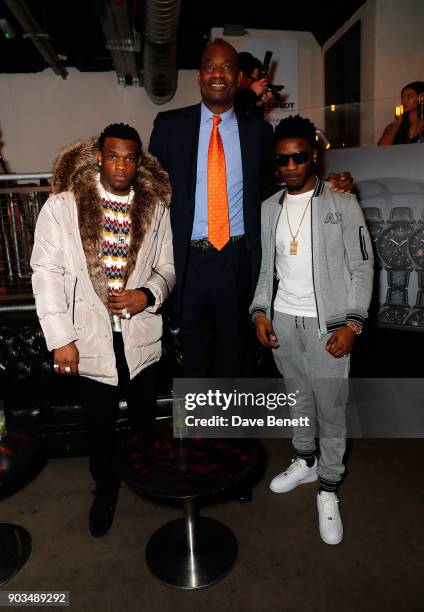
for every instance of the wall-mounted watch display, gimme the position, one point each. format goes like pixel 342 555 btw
pixel 392 248
pixel 389 185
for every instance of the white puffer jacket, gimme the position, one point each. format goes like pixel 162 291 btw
pixel 69 282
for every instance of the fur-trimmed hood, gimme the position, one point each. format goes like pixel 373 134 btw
pixel 75 170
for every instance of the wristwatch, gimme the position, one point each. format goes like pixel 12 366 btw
pixel 392 249
pixel 416 255
pixel 375 225
pixel 355 327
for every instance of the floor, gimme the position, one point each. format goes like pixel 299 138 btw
pixel 282 563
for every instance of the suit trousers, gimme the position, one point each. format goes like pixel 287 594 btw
pixel 100 408
pixel 217 336
pixel 319 382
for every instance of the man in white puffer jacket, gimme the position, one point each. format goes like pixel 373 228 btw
pixel 102 268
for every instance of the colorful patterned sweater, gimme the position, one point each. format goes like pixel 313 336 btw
pixel 116 235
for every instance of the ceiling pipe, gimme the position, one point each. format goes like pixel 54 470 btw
pixel 122 41
pixel 160 22
pixel 33 31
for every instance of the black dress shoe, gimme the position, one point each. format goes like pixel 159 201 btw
pixel 102 511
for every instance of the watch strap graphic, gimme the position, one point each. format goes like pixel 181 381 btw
pixel 420 299
pixel 398 279
pixel 420 293
pixel 397 292
pixel 373 214
pixel 398 297
pixel 400 213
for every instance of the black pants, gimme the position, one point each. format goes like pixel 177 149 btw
pixel 100 408
pixel 216 330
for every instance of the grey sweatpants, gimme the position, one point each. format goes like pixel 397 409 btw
pixel 307 369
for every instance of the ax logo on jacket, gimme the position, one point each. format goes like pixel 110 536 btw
pixel 333 218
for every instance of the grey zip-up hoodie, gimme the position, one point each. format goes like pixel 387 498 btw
pixel 342 258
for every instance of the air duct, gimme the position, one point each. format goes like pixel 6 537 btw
pixel 160 22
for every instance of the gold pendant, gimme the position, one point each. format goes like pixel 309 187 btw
pixel 293 247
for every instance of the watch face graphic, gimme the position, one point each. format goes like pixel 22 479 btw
pixel 416 247
pixel 374 229
pixel 416 318
pixel 392 246
pixel 374 222
pixel 392 315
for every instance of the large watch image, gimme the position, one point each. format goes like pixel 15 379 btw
pixel 416 255
pixel 392 248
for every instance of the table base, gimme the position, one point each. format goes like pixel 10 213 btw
pixel 15 549
pixel 169 558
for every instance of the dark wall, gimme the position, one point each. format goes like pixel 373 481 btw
pixel 343 87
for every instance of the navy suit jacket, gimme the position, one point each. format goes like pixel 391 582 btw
pixel 174 141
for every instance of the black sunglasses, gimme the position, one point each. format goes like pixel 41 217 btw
pixel 299 158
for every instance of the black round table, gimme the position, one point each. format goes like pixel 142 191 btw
pixel 17 452
pixel 191 552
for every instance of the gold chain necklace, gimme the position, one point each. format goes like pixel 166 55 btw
pixel 293 242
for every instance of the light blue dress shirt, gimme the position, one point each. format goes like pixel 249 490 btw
pixel 228 128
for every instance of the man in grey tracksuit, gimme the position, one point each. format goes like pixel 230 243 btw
pixel 316 244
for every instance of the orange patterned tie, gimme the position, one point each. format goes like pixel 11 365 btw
pixel 218 219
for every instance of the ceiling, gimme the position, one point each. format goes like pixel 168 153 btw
pixel 76 35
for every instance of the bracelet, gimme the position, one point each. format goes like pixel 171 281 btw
pixel 355 327
pixel 256 313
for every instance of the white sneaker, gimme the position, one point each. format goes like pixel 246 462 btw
pixel 330 523
pixel 297 473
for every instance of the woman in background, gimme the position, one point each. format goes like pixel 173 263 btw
pixel 408 127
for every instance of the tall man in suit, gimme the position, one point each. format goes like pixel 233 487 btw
pixel 215 276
